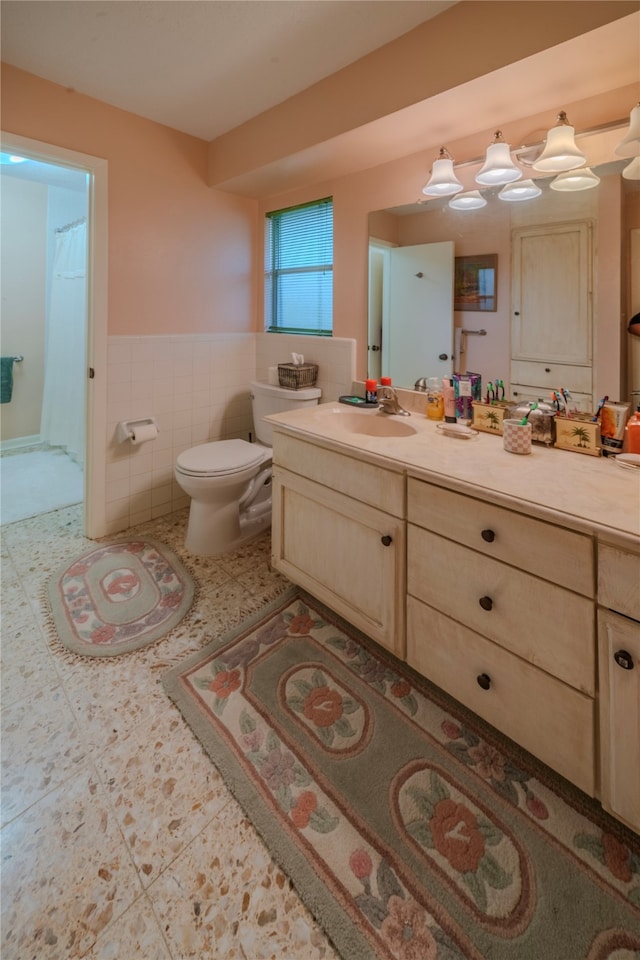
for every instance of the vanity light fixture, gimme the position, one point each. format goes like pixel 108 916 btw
pixel 571 180
pixel 498 166
pixel 632 170
pixel 560 152
pixel 630 146
pixel 472 200
pixel 443 182
pixel 522 190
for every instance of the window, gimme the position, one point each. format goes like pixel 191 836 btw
pixel 299 269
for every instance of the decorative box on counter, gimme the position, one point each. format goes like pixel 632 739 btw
pixel 489 416
pixel 298 375
pixel 578 433
pixel 467 388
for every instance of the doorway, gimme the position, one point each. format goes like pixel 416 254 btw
pixel 66 397
pixel 43 222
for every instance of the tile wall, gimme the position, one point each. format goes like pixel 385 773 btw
pixel 196 387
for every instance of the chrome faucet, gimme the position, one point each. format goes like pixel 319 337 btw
pixel 389 403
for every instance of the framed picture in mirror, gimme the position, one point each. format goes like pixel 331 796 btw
pixel 475 283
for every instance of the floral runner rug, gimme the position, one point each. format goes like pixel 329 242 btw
pixel 410 829
pixel 118 597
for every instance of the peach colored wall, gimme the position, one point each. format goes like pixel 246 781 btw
pixel 180 253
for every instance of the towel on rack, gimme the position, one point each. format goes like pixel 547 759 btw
pixel 6 379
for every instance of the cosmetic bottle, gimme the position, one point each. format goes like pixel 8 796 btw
pixel 371 391
pixel 449 398
pixel 435 399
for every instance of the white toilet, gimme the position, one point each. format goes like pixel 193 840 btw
pixel 229 481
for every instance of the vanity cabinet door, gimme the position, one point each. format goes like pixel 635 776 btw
pixel 619 656
pixel 345 553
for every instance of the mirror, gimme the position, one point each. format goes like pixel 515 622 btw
pixel 480 340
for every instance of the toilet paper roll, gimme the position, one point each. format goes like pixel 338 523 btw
pixel 143 432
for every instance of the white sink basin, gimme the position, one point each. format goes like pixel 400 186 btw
pixel 369 424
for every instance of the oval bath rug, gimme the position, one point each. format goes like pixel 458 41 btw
pixel 118 597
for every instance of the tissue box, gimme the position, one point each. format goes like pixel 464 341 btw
pixel 467 388
pixel 578 433
pixel 489 416
pixel 297 376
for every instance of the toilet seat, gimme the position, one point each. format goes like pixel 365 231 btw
pixel 220 458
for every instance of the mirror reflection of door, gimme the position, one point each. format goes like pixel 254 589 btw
pixel 418 308
pixel 378 253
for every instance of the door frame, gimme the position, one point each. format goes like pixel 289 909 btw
pixel 95 520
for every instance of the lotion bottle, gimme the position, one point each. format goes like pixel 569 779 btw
pixel 449 396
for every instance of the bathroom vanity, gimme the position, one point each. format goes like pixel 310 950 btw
pixel 511 582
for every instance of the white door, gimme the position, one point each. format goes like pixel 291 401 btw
pixel 418 313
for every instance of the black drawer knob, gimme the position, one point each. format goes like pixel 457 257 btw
pixel 484 681
pixel 488 535
pixel 486 603
pixel 623 659
pixel 386 539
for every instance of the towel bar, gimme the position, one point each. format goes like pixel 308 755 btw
pixel 18 359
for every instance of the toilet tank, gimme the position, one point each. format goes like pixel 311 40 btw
pixel 267 398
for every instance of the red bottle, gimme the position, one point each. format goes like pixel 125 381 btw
pixel 632 431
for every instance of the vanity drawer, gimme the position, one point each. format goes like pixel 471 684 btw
pixel 547 625
pixel 549 719
pixel 576 379
pixel 619 580
pixel 363 481
pixel 553 553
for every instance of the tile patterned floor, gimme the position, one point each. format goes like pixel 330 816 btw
pixel 119 839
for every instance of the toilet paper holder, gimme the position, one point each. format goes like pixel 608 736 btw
pixel 137 431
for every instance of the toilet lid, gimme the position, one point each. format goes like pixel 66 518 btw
pixel 220 457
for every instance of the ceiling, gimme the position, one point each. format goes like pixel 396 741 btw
pixel 200 66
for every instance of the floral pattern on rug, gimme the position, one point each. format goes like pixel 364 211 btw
pixel 338 719
pixel 468 846
pixel 466 843
pixel 613 860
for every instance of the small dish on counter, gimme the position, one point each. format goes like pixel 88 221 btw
pixel 457 430
pixel 631 461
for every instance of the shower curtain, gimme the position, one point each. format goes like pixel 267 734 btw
pixel 63 403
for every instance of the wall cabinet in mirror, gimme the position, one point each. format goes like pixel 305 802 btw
pixel 551 327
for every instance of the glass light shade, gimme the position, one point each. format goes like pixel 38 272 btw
pixel 571 180
pixel 524 190
pixel 443 182
pixel 630 146
pixel 632 170
pixel 473 200
pixel 560 152
pixel 498 166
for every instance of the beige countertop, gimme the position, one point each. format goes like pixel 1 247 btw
pixel 593 494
